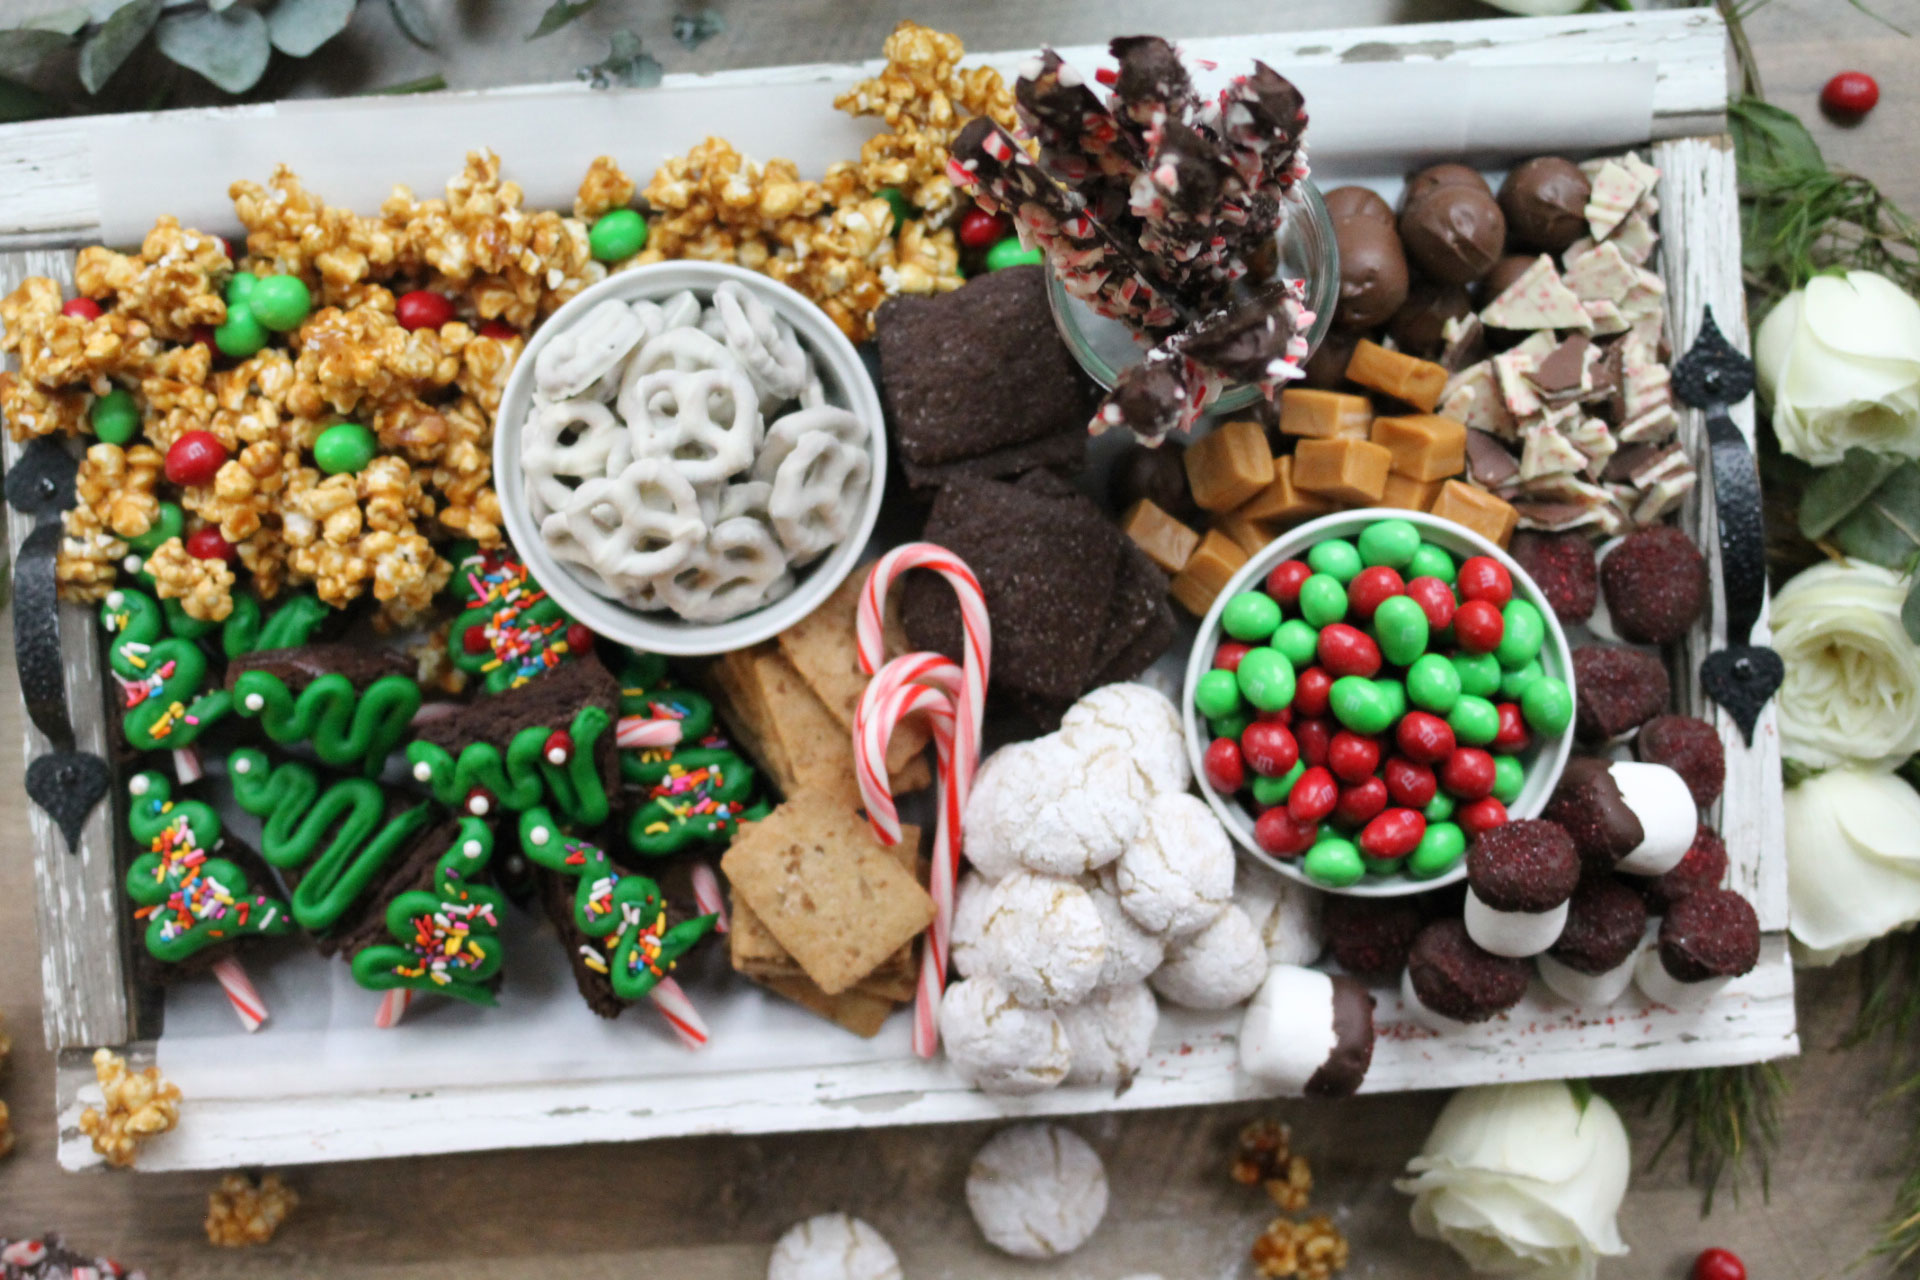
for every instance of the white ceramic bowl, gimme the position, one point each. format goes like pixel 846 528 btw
pixel 847 385
pixel 1544 758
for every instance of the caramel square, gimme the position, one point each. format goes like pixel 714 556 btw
pixel 1167 542
pixel 1282 503
pixel 1417 382
pixel 1491 517
pixel 1229 465
pixel 1424 446
pixel 1250 535
pixel 1409 494
pixel 1345 469
pixel 1323 415
pixel 1217 559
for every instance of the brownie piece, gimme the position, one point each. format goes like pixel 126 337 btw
pixel 1067 450
pixel 549 703
pixel 301 666
pixel 412 868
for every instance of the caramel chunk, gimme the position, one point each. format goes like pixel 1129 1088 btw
pixel 1208 569
pixel 1322 415
pixel 1345 469
pixel 1251 535
pixel 1490 517
pixel 1409 494
pixel 1417 382
pixel 1167 542
pixel 1229 466
pixel 1282 503
pixel 1424 446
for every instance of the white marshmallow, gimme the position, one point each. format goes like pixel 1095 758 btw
pixel 1110 1032
pixel 1177 872
pixel 1661 987
pixel 1587 990
pixel 833 1246
pixel 1431 1019
pixel 1288 1032
pixel 1659 798
pixel 999 1045
pixel 1042 940
pixel 1215 968
pixel 1513 933
pixel 1285 912
pixel 1037 1191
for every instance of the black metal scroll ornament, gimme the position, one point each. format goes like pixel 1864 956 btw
pixel 1712 377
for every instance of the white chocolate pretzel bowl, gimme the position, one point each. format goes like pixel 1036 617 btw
pixel 844 383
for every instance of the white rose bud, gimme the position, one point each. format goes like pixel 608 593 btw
pixel 1853 861
pixel 1523 1180
pixel 1840 362
pixel 1852 689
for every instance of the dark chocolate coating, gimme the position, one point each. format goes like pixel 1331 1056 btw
pixel 1605 920
pixel 1158 475
pixel 1710 934
pixel 1456 978
pixel 1454 233
pixel 1419 326
pixel 1357 202
pixel 1442 175
pixel 1525 865
pixel 1326 368
pixel 1346 1067
pixel 1545 201
pixel 1588 805
pixel 1373 273
pixel 1616 689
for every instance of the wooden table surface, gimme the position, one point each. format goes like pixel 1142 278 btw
pixel 707 1209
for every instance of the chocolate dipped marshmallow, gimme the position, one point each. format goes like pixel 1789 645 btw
pixel 1309 1032
pixel 1591 963
pixel 1707 939
pixel 1625 815
pixel 1520 877
pixel 1452 980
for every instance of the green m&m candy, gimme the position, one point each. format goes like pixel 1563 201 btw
pixel 1547 705
pixel 1479 673
pixel 1509 776
pixel 115 418
pixel 1438 809
pixel 1400 625
pixel 1359 704
pixel 1522 636
pixel 1231 726
pixel 240 335
pixel 1430 561
pixel 166 526
pixel 1008 253
pixel 1268 792
pixel 617 235
pixel 1216 694
pixel 1323 600
pixel 1433 684
pixel 1475 721
pixel 1438 851
pixel 1251 616
pixel 902 207
pixel 1266 679
pixel 1337 558
pixel 1394 694
pixel 1298 640
pixel 1335 863
pixel 240 287
pixel 344 448
pixel 1514 683
pixel 1392 543
pixel 279 302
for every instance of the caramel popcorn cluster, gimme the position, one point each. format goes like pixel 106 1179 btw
pixel 1264 1157
pixel 138 1105
pixel 243 1212
pixel 1309 1250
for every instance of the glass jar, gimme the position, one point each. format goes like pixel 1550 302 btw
pixel 1104 346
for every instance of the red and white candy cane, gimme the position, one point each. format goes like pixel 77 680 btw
pixel 672 1002
pixel 646 731
pixel 241 993
pixel 708 897
pixel 393 1007
pixel 913 670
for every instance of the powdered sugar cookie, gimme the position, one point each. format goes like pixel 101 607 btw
pixel 970 898
pixel 1042 939
pixel 1215 968
pixel 1177 872
pixel 833 1246
pixel 1132 952
pixel 1285 912
pixel 1037 1191
pixel 1140 722
pixel 1109 1032
pixel 1051 810
pixel 999 1045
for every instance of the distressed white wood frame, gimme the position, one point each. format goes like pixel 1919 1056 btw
pixel 47 169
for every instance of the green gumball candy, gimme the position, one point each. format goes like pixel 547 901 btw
pixel 1337 558
pixel 1524 632
pixel 1216 694
pixel 1335 863
pixel 1008 253
pixel 1298 640
pixel 344 448
pixel 1430 561
pixel 1509 776
pixel 1266 679
pixel 1433 684
pixel 617 235
pixel 115 418
pixel 1438 852
pixel 1323 599
pixel 1547 706
pixel 1400 625
pixel 1251 616
pixel 280 303
pixel 1475 721
pixel 240 335
pixel 1392 543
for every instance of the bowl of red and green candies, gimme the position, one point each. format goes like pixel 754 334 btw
pixel 1370 692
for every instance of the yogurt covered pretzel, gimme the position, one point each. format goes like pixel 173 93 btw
pixel 816 494
pixel 577 361
pixel 705 423
pixel 762 342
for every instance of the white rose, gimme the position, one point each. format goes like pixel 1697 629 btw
pixel 1840 361
pixel 1853 861
pixel 1522 1180
pixel 1852 689
pixel 1540 8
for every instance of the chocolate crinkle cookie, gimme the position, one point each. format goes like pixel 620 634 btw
pixel 1605 921
pixel 1710 934
pixel 1617 690
pixel 1455 978
pixel 1563 566
pixel 1656 585
pixel 1691 748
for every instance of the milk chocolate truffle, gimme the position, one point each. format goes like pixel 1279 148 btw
pixel 1309 1032
pixel 1617 689
pixel 1450 976
pixel 1454 233
pixel 1504 273
pixel 1591 964
pixel 1656 585
pixel 1442 175
pixel 1563 567
pixel 1419 327
pixel 1363 203
pixel 1545 201
pixel 1373 273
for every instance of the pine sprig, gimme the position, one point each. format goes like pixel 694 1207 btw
pixel 1730 1118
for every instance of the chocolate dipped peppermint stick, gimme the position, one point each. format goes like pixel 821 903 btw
pixel 1081 143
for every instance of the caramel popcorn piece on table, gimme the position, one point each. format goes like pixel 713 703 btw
pixel 1309 1250
pixel 241 1212
pixel 1264 1156
pixel 204 588
pixel 138 1105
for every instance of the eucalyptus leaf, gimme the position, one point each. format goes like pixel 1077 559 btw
pixel 1838 490
pixel 230 49
pixel 23 49
pixel 1910 613
pixel 68 22
pixel 19 102
pixel 425 84
pixel 1885 529
pixel 115 41
pixel 1768 137
pixel 298 27
pixel 411 17
pixel 559 14
pixel 694 29
pixel 626 66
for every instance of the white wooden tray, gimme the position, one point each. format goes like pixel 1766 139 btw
pixel 56 205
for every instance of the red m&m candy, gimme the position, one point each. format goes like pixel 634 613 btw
pixel 1513 735
pixel 1314 736
pixel 207 544
pixel 80 308
pixel 1348 651
pixel 1283 583
pixel 1480 816
pixel 1424 738
pixel 195 458
pixel 1359 803
pixel 1227 656
pixel 1478 626
pixel 1351 757
pixel 1224 768
pixel 1394 834
pixel 1410 784
pixel 980 229
pixel 1850 95
pixel 1435 599
pixel 1269 748
pixel 1719 1264
pixel 499 331
pixel 1468 773
pixel 1370 587
pixel 1280 834
pixel 1312 692
pixel 1313 796
pixel 1484 578
pixel 423 309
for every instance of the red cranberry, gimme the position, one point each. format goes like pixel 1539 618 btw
pixel 1360 803
pixel 1424 738
pixel 1279 834
pixel 1394 834
pixel 981 230
pixel 1719 1264
pixel 1468 774
pixel 1312 691
pixel 1348 651
pixel 423 309
pixel 195 458
pixel 1478 626
pixel 1313 796
pixel 474 639
pixel 1314 737
pixel 1513 735
pixel 1480 817
pixel 499 330
pixel 1849 95
pixel 1283 582
pixel 207 544
pixel 1410 784
pixel 1225 772
pixel 1435 599
pixel 1352 757
pixel 80 308
pixel 1269 748
pixel 1370 587
pixel 1484 578
pixel 579 637
pixel 1227 656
